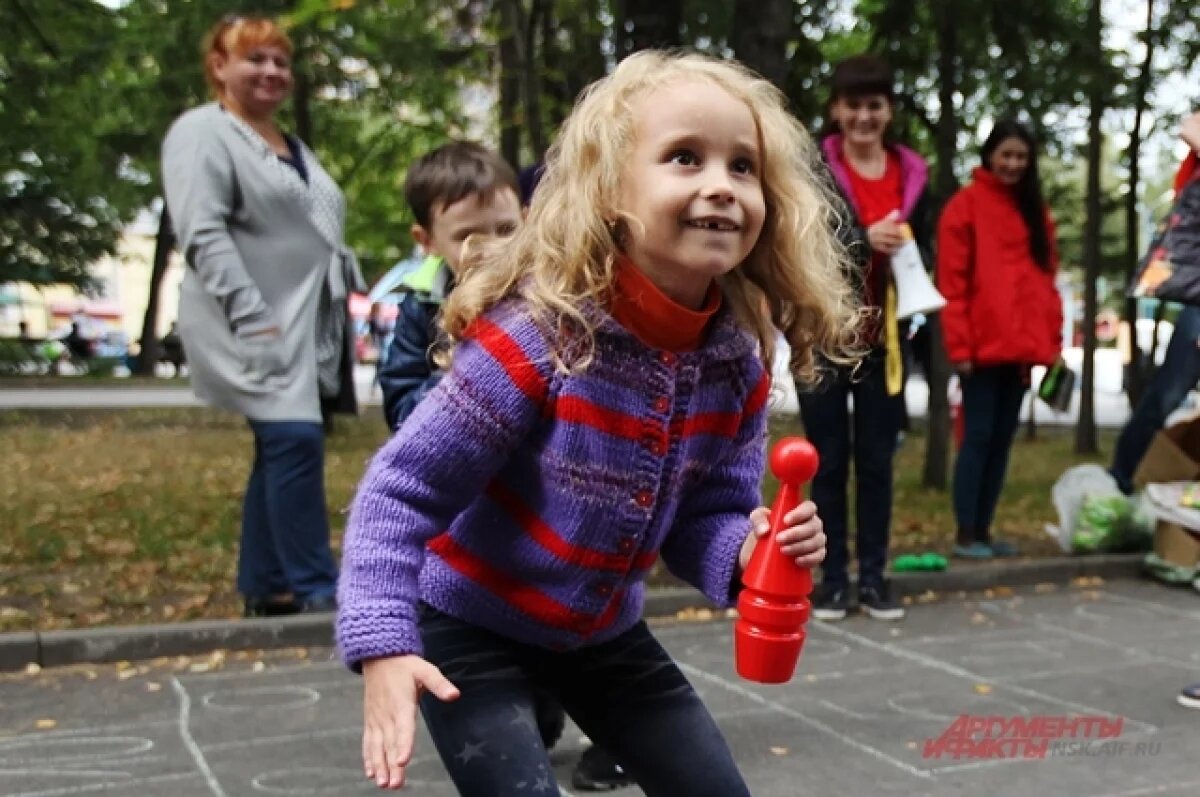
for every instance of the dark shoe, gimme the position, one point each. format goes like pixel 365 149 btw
pixel 1189 696
pixel 598 771
pixel 318 604
pixel 979 551
pixel 876 601
pixel 551 719
pixel 830 603
pixel 272 606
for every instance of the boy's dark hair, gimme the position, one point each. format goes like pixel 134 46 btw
pixel 860 75
pixel 452 172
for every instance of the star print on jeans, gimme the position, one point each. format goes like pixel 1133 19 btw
pixel 524 717
pixel 470 750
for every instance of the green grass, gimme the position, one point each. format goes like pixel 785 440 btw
pixel 131 516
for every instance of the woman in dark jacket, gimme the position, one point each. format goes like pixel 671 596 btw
pixel 883 186
pixel 996 265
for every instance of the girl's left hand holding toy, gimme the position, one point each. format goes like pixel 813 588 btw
pixel 802 538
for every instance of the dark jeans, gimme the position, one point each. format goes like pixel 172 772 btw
pixel 876 425
pixel 1178 374
pixel 991 405
pixel 285 528
pixel 627 695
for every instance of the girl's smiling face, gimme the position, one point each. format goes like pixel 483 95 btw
pixel 691 187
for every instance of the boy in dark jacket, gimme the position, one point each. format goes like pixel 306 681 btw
pixel 458 190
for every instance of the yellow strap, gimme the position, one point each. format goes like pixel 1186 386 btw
pixel 894 361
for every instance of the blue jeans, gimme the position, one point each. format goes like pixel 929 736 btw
pixel 285 528
pixel 627 695
pixel 991 405
pixel 876 426
pixel 1178 374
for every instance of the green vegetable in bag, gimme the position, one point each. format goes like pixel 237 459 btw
pixel 1109 524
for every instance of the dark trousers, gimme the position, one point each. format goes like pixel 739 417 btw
pixel 285 527
pixel 627 695
pixel 991 405
pixel 872 438
pixel 1178 374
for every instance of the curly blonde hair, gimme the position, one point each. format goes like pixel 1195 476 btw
pixel 563 258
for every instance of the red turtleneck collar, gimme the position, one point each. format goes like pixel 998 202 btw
pixel 653 317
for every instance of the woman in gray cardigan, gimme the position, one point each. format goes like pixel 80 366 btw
pixel 263 306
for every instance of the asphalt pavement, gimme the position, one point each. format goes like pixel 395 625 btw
pixel 1102 660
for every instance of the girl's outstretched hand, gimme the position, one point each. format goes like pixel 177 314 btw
pixel 802 538
pixel 391 686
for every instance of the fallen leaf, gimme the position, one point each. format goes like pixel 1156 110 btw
pixel 983 689
pixel 153 686
pixel 779 750
pixel 33 668
pixel 45 724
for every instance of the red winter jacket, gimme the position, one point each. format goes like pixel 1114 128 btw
pixel 1001 306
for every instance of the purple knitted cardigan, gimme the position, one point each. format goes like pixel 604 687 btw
pixel 532 503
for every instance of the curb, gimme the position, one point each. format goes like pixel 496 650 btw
pixel 132 643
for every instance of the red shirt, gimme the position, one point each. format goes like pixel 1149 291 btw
pixel 875 198
pixel 656 319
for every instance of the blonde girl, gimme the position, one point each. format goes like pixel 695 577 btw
pixel 605 406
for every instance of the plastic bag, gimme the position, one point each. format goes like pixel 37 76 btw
pixel 1075 486
pixel 1094 516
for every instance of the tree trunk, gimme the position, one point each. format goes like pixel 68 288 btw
pixel 150 345
pixel 1085 432
pixel 525 27
pixel 302 106
pixel 510 93
pixel 760 36
pixel 650 23
pixel 1136 371
pixel 937 444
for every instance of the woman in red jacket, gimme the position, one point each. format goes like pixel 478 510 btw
pixel 996 263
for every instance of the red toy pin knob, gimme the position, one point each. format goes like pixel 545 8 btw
pixel 773 606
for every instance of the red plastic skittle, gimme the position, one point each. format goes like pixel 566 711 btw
pixel 773 605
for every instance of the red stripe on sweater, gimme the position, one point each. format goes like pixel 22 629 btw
pixel 511 357
pixel 578 410
pixel 758 396
pixel 726 424
pixel 722 424
pixel 526 599
pixel 544 535
pixel 610 612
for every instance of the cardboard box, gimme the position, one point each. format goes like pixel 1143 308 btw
pixel 1177 545
pixel 1173 456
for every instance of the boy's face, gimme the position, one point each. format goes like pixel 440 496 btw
pixel 451 225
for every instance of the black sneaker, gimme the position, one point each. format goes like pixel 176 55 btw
pixel 876 600
pixel 272 606
pixel 599 771
pixel 1189 696
pixel 830 603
